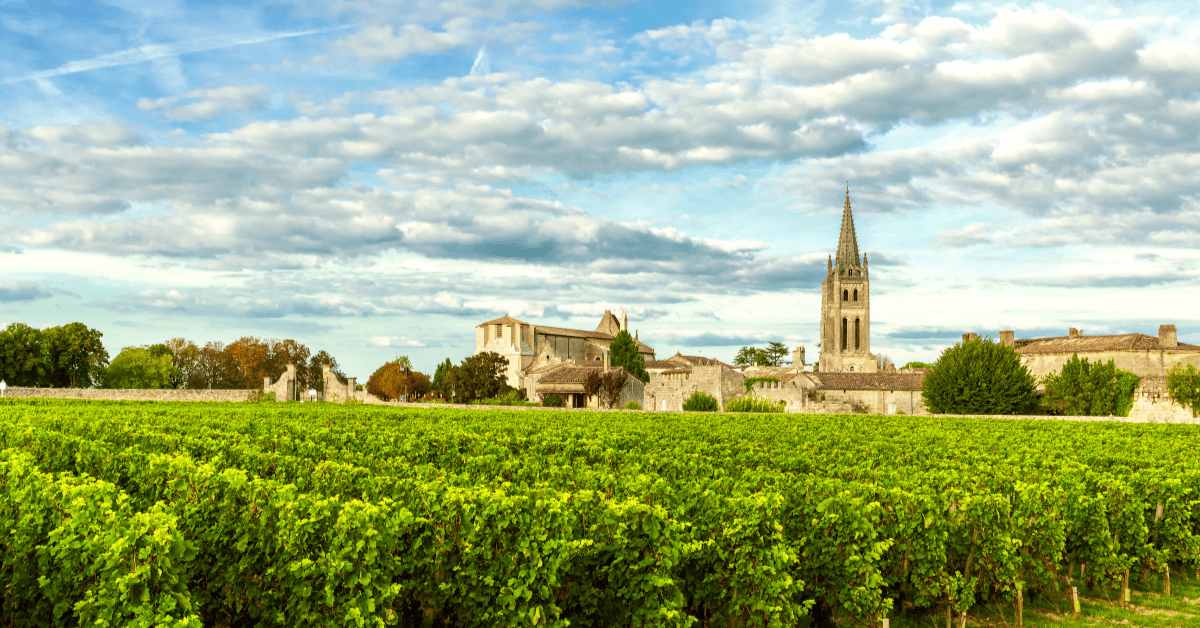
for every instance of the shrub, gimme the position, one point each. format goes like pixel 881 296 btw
pixel 1183 384
pixel 513 397
pixel 753 403
pixel 979 376
pixel 633 405
pixel 751 381
pixel 259 396
pixel 552 401
pixel 701 402
pixel 1083 389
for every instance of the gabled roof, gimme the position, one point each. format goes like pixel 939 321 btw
pixel 868 381
pixel 503 320
pixel 1086 344
pixel 574 374
pixel 595 335
pixel 696 360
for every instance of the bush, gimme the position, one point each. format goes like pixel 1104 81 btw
pixel 753 403
pixel 513 397
pixel 633 405
pixel 259 396
pixel 751 381
pixel 1183 384
pixel 979 376
pixel 1083 389
pixel 701 402
pixel 552 401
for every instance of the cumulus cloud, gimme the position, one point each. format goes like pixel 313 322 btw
pixel 206 104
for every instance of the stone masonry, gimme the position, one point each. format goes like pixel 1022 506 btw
pixel 845 306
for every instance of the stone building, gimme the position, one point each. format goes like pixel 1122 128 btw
pixel 530 348
pixel 1142 355
pixel 566 379
pixel 285 388
pixel 673 380
pixel 846 306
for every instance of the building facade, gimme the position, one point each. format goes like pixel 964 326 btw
pixel 846 306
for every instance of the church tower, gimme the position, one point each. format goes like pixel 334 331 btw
pixel 846 306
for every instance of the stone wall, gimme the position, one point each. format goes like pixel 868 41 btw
pixel 1152 403
pixel 667 391
pixel 1143 363
pixel 132 394
pixel 795 394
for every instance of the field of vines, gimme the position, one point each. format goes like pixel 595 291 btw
pixel 197 514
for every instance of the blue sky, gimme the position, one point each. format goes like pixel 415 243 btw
pixel 377 178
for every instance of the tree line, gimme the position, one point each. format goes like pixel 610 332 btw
pixel 73 356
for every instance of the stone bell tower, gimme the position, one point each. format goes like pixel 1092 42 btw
pixel 846 306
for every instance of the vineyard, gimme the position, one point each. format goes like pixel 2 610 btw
pixel 176 514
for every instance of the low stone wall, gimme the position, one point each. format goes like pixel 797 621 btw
pixel 132 394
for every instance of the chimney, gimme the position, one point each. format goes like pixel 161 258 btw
pixel 1006 339
pixel 1072 332
pixel 967 337
pixel 1167 338
pixel 606 360
pixel 624 321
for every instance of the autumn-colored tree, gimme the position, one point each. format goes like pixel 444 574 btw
pixel 314 372
pixel 249 361
pixel 285 352
pixel 391 382
pixel 215 367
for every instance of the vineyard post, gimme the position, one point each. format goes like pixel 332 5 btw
pixel 949 614
pixel 1075 600
pixel 1125 590
pixel 887 623
pixel 1167 581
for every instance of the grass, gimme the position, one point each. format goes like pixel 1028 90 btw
pixel 1148 608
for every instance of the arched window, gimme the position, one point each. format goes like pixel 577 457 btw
pixel 856 295
pixel 845 295
pixel 851 368
pixel 844 325
pixel 856 330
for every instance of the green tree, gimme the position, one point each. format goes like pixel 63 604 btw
pixel 623 352
pixel 185 357
pixel 440 373
pixel 141 367
pixel 22 358
pixel 403 361
pixel 312 377
pixel 482 376
pixel 918 365
pixel 775 354
pixel 979 376
pixel 746 356
pixel 1183 384
pixel 75 356
pixel 1084 389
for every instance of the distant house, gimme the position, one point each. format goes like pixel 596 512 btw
pixel 673 380
pixel 531 349
pixel 566 380
pixel 1142 355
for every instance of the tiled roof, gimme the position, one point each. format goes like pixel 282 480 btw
pixel 697 360
pixel 573 374
pixel 1085 344
pixel 503 320
pixel 579 333
pixel 869 381
pixel 661 364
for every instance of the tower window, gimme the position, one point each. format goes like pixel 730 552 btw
pixel 845 295
pixel 856 295
pixel 856 330
pixel 844 326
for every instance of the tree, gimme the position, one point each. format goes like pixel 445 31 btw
pixel 185 357
pixel 1183 385
pixel 314 373
pixel 283 353
pixel 624 353
pixel 979 376
pixel 775 354
pixel 883 361
pixel 613 382
pixel 390 382
pixel 481 376
pixel 593 384
pixel 440 373
pixel 918 365
pixel 403 361
pixel 74 356
pixel 1083 389
pixel 22 359
pixel 746 357
pixel 249 363
pixel 141 367
pixel 214 367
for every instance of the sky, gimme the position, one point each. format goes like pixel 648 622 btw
pixel 376 178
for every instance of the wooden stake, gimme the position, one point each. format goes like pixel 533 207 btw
pixel 1075 600
pixel 1167 581
pixel 1125 590
pixel 949 612
pixel 1020 606
pixel 887 623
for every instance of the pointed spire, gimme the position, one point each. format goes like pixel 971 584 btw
pixel 847 253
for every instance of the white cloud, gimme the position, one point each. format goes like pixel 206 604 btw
pixel 207 104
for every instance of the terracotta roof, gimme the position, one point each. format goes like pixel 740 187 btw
pixel 1086 344
pixel 559 388
pixel 573 374
pixel 868 381
pixel 503 320
pixel 661 364
pixel 697 360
